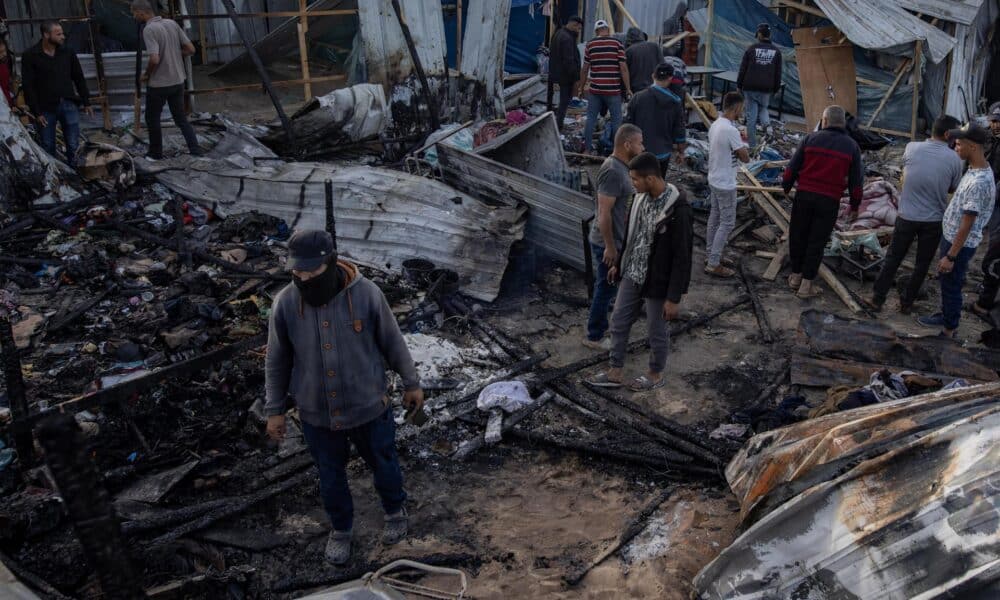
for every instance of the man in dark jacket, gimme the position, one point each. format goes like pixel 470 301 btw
pixel 674 26
pixel 330 334
pixel 759 77
pixel 826 162
pixel 654 270
pixel 55 89
pixel 564 65
pixel 659 113
pixel 642 57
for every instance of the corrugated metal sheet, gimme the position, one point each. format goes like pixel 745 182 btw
pixel 484 46
pixel 387 57
pixel 383 216
pixel 958 11
pixel 556 214
pixel 898 500
pixel 971 63
pixel 886 27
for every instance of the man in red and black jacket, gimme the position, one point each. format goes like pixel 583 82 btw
pixel 827 162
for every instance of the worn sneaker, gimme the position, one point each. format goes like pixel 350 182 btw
pixel 935 321
pixel 338 547
pixel 601 344
pixel 395 527
pixel 720 271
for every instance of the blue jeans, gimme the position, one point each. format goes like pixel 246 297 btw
pixel 376 443
pixel 951 285
pixel 604 293
pixel 66 114
pixel 595 102
pixel 757 103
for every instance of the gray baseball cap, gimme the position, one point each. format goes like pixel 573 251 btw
pixel 309 249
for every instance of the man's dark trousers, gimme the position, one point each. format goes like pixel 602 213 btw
pixel 813 218
pixel 376 443
pixel 566 86
pixel 173 97
pixel 991 276
pixel 928 236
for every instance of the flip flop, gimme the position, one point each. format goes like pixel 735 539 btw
pixel 601 380
pixel 645 384
pixel 794 287
pixel 814 293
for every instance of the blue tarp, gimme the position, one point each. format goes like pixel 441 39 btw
pixel 735 24
pixel 525 34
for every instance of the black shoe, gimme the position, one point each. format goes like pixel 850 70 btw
pixel 152 156
pixel 198 152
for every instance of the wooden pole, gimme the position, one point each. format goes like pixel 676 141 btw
pixel 17 395
pixel 202 37
pixel 899 77
pixel 916 89
pixel 458 38
pixel 303 27
pixel 709 34
pixel 102 82
pixel 627 14
pixel 137 99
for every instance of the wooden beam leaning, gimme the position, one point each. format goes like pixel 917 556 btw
pixel 892 89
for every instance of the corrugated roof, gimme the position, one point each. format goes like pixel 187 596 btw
pixel 885 26
pixel 897 500
pixel 958 11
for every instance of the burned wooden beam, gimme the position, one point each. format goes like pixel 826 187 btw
pixel 432 107
pixel 88 506
pixel 75 313
pixel 331 218
pixel 766 331
pixel 16 392
pixel 32 580
pixel 125 390
pixel 633 528
pixel 173 517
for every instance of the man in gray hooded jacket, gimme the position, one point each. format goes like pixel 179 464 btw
pixel 330 335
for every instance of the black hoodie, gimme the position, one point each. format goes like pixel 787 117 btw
pixel 760 70
pixel 659 113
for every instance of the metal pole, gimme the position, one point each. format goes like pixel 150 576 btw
pixel 331 219
pixel 16 392
pixel 102 82
pixel 137 126
pixel 264 77
pixel 431 106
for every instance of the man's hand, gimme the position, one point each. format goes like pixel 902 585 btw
pixel 945 266
pixel 610 257
pixel 612 274
pixel 145 78
pixel 41 120
pixel 276 427
pixel 671 311
pixel 413 399
pixel 88 110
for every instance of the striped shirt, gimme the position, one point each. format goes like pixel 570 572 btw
pixel 605 56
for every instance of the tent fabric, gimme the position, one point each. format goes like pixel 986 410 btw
pixel 732 40
pixel 525 34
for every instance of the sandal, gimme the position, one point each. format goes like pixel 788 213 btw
pixel 813 293
pixel 601 380
pixel 798 282
pixel 645 384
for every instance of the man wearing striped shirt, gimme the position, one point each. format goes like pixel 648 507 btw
pixel 605 69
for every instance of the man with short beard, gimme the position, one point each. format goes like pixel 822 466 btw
pixel 330 335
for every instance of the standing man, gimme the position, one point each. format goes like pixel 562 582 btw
pixel 564 65
pixel 55 89
pixel 826 162
pixel 605 69
pixel 330 335
pixel 659 113
pixel 962 227
pixel 931 171
pixel 654 269
pixel 725 147
pixel 674 26
pixel 167 45
pixel 642 57
pixel 759 78
pixel 991 262
pixel 607 234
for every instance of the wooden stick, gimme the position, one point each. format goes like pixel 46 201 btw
pixel 709 33
pixel 763 323
pixel 303 29
pixel 634 528
pixel 680 36
pixel 701 114
pixel 458 38
pixel 627 14
pixel 888 94
pixel 201 34
pixel 753 188
pixel 766 201
pixel 776 263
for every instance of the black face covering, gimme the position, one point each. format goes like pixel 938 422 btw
pixel 320 289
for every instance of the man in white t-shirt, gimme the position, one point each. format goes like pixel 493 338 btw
pixel 725 146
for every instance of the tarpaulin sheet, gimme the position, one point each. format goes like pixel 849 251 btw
pixel 734 26
pixel 525 34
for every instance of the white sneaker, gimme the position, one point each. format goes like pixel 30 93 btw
pixel 601 344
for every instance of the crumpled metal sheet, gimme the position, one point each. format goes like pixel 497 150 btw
pixel 28 173
pixel 348 114
pixel 829 335
pixel 383 216
pixel 897 500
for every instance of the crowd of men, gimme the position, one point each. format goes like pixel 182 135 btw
pixel 55 90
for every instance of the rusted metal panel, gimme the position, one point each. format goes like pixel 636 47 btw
pixel 534 148
pixel 484 47
pixel 896 500
pixel 556 213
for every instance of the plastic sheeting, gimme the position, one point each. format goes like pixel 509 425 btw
pixel 524 35
pixel 734 25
